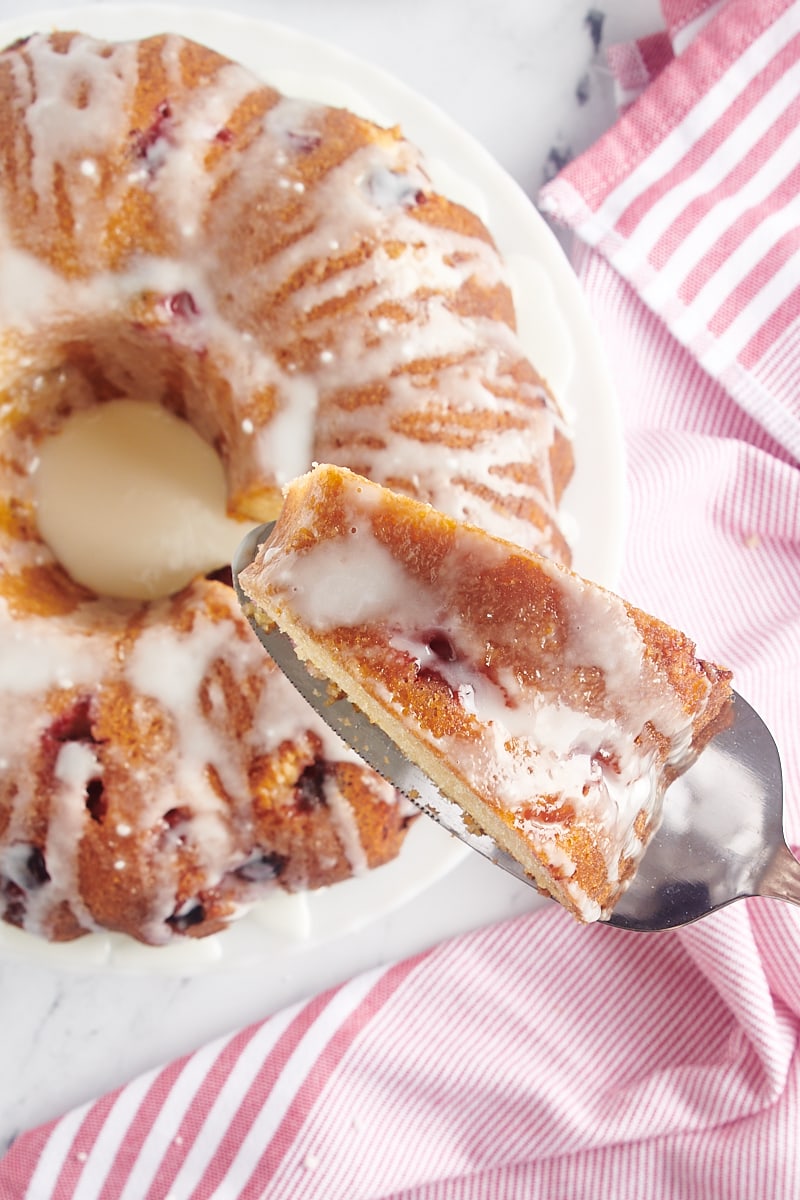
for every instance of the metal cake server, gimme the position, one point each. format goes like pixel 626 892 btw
pixel 721 837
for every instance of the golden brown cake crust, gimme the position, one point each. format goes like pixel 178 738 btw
pixel 281 275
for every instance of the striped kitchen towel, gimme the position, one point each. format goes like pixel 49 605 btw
pixel 539 1060
pixel 693 197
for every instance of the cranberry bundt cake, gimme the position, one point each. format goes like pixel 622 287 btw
pixel 553 712
pixel 282 276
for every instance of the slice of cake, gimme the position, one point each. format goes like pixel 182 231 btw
pixel 552 711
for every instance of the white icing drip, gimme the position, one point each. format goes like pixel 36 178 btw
pixel 346 826
pixel 282 716
pixel 36 656
pixel 289 439
pixel 16 864
pixel 290 118
pixel 171 668
pixel 77 764
pixel 39 292
pixel 210 833
pixel 93 90
pixel 177 160
pixel 327 592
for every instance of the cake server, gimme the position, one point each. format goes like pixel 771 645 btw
pixel 721 837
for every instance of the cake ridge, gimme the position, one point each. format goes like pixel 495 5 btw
pixel 282 275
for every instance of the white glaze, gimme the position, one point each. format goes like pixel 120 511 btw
pixel 75 765
pixel 531 739
pixel 344 821
pixel 326 592
pixel 172 668
pixel 197 295
pixel 37 657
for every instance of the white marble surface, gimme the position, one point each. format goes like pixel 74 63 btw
pixel 510 73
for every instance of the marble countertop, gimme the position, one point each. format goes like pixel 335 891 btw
pixel 524 78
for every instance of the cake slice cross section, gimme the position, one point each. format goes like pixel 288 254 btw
pixel 553 712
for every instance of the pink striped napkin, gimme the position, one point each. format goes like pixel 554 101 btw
pixel 539 1059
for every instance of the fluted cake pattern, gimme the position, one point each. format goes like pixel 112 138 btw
pixel 283 276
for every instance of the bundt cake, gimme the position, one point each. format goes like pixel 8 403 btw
pixel 282 276
pixel 553 712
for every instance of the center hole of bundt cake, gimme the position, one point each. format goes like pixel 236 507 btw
pixel 132 501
